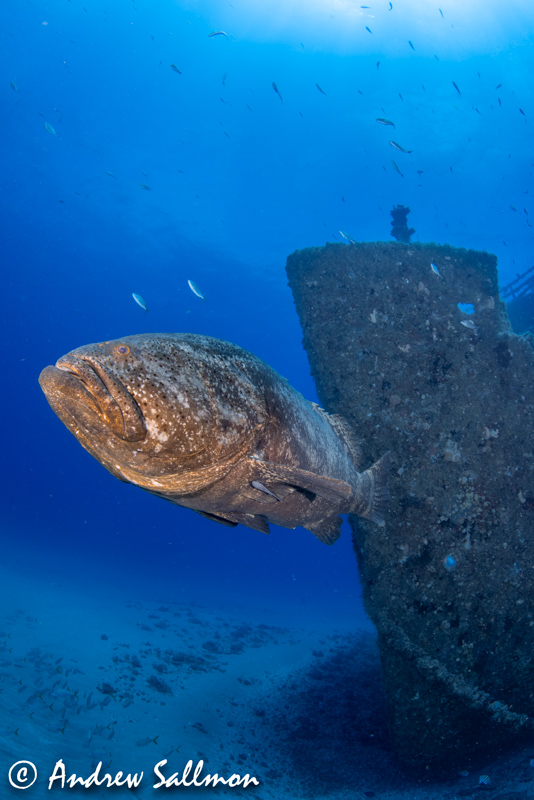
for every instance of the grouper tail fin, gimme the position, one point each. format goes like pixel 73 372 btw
pixel 373 494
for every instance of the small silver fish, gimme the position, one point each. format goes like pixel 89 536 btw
pixel 49 128
pixel 347 237
pixel 321 90
pixel 397 169
pixel 275 88
pixel 111 175
pixel 259 485
pixel 14 86
pixel 194 288
pixel 384 121
pixel 140 302
pixel 147 740
pixel 411 45
pixel 217 33
pixel 146 187
pixel 175 69
pixel 468 323
pixel 456 87
pixel 434 269
pixel 399 148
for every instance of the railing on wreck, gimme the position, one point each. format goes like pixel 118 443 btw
pixel 519 298
pixel 515 289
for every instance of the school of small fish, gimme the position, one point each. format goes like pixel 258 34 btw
pixel 381 120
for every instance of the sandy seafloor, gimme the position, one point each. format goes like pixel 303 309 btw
pixel 88 673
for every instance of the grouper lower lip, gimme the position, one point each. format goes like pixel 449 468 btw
pixel 74 380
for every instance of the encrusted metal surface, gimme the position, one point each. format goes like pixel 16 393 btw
pixel 449 581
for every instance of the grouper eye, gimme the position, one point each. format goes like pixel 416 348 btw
pixel 122 349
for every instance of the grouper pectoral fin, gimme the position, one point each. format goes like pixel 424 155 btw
pixel 328 530
pixel 250 493
pixel 330 488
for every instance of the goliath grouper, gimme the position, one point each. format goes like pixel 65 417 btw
pixel 207 425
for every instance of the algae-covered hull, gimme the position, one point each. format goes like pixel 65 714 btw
pixel 449 390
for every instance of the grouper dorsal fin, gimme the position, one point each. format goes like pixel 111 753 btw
pixel 345 432
pixel 330 488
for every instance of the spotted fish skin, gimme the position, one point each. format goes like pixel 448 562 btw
pixel 209 426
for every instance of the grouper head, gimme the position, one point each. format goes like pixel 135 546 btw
pixel 167 412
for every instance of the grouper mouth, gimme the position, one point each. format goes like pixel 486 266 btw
pixel 76 381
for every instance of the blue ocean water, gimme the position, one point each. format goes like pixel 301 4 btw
pixel 123 174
